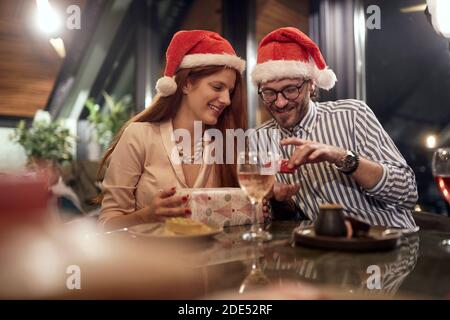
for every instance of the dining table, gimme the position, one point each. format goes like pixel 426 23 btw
pixel 417 267
pixel 41 262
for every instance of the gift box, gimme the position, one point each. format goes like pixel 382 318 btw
pixel 220 206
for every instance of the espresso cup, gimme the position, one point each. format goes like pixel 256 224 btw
pixel 330 221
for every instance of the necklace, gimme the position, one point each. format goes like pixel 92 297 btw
pixel 197 157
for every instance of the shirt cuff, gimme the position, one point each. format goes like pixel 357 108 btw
pixel 381 184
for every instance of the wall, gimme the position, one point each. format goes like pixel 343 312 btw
pixel 12 155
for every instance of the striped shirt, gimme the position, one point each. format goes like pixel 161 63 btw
pixel 351 125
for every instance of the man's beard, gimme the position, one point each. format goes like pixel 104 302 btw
pixel 295 111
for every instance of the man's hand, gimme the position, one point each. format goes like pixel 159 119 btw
pixel 307 151
pixel 282 191
pixel 367 175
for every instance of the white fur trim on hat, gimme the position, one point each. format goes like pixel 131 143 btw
pixel 166 86
pixel 213 59
pixel 281 69
pixel 326 79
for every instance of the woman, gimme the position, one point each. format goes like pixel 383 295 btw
pixel 202 82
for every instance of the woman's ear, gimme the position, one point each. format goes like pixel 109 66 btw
pixel 186 88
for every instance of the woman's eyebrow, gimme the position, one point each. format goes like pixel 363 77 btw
pixel 223 83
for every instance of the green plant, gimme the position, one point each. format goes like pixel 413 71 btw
pixel 108 122
pixel 44 140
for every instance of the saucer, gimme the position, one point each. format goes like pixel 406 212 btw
pixel 378 238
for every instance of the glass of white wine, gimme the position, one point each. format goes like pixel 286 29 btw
pixel 256 174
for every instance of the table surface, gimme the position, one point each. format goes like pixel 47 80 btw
pixel 418 267
pixel 116 265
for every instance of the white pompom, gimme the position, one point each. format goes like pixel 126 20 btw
pixel 166 86
pixel 326 79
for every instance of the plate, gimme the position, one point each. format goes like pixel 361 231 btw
pixel 405 232
pixel 378 238
pixel 158 230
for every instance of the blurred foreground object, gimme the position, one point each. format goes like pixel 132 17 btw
pixel 290 290
pixel 24 200
pixel 74 261
pixel 41 258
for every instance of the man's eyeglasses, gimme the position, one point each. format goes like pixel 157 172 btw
pixel 289 93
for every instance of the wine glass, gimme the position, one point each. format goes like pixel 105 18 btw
pixel 441 172
pixel 256 174
pixel 256 278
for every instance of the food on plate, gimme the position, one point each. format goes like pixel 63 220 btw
pixel 186 226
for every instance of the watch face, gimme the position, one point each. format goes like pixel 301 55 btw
pixel 349 162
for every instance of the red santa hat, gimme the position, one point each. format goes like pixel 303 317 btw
pixel 196 48
pixel 289 53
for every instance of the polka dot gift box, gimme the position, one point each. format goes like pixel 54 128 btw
pixel 220 206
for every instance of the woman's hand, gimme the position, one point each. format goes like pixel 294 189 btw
pixel 165 205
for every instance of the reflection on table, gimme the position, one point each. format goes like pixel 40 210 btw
pixel 418 267
pixel 118 265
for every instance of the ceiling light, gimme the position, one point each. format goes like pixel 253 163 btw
pixel 431 141
pixel 58 45
pixel 440 16
pixel 47 19
pixel 413 9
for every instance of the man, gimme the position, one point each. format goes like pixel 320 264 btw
pixel 340 151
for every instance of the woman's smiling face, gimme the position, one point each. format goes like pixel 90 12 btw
pixel 209 96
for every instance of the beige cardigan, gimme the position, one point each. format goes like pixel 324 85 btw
pixel 141 165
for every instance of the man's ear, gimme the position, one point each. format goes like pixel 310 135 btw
pixel 313 92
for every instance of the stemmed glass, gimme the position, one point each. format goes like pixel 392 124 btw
pixel 256 174
pixel 441 172
pixel 256 278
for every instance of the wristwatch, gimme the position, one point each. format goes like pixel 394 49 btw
pixel 348 163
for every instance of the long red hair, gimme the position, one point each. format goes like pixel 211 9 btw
pixel 165 108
